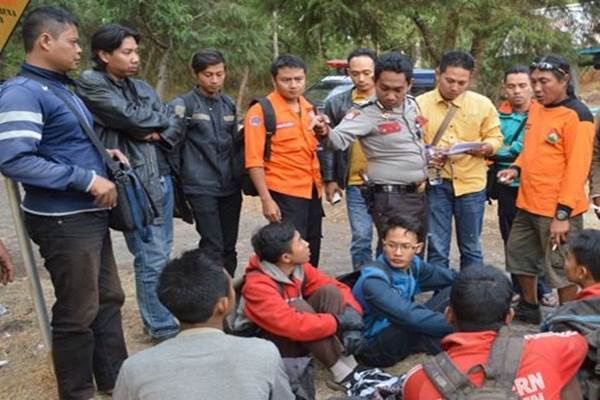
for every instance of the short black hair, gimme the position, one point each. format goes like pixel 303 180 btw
pixel 480 298
pixel 560 64
pixel 190 286
pixel 50 19
pixel 205 58
pixel 287 61
pixel 397 221
pixel 516 69
pixel 108 38
pixel 272 241
pixel 585 247
pixel 395 62
pixel 457 58
pixel 362 52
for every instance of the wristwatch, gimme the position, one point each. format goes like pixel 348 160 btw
pixel 562 214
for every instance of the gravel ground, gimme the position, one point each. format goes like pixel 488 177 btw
pixel 27 374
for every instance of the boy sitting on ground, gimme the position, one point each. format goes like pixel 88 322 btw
pixel 298 307
pixel 202 362
pixel 396 325
pixel 546 365
pixel 582 267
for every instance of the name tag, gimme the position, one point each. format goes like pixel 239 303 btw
pixel 201 117
pixel 285 125
pixel 389 127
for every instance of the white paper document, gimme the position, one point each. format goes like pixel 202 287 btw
pixel 460 148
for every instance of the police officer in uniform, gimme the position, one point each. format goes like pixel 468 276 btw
pixel 391 138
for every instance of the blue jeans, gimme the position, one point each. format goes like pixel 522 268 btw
pixel 150 259
pixel 361 225
pixel 467 211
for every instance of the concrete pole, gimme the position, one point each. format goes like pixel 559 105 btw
pixel 35 287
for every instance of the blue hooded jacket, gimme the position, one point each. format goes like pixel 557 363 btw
pixel 387 296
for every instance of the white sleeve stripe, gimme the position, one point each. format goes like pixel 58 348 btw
pixel 89 186
pixel 21 116
pixel 20 134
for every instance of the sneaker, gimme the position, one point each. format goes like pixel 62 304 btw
pixel 549 300
pixel 348 382
pixel 529 313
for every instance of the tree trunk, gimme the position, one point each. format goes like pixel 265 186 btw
pixel 275 35
pixel 149 61
pixel 163 72
pixel 242 88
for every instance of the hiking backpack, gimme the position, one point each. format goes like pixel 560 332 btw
pixel 499 373
pixel 270 127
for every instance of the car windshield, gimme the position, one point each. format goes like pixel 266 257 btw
pixel 319 91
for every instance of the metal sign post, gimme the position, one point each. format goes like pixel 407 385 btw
pixel 35 287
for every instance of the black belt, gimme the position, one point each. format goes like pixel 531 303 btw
pixel 411 188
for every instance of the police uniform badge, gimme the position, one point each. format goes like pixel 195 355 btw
pixel 389 127
pixel 352 114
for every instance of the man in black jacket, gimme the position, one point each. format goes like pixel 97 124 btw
pixel 340 169
pixel 211 158
pixel 130 116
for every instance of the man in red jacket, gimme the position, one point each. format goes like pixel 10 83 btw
pixel 298 307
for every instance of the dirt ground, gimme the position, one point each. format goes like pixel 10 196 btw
pixel 28 375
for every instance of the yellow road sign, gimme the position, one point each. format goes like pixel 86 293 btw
pixel 10 13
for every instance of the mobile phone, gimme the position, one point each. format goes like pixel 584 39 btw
pixel 336 198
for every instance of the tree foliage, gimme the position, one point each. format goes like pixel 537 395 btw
pixel 498 34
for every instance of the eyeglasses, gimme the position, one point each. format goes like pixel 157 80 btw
pixel 546 66
pixel 401 246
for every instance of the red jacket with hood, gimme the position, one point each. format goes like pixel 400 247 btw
pixel 267 308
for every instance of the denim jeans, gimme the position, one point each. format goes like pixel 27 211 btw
pixel 87 334
pixel 361 225
pixel 467 211
pixel 151 257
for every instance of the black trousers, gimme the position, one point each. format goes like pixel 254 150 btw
pixel 87 335
pixel 307 216
pixel 507 209
pixel 217 222
pixel 411 206
pixel 396 342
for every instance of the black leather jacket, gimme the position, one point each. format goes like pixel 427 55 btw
pixel 126 112
pixel 211 152
pixel 334 164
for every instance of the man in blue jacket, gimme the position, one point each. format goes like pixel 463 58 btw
pixel 67 196
pixel 396 325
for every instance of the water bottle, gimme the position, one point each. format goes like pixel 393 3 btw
pixel 434 175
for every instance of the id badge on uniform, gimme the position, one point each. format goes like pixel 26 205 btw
pixel 389 127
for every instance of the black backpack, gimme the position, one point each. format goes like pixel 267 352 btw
pixel 582 316
pixel 500 372
pixel 270 127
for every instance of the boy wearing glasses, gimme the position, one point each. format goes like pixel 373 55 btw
pixel 396 325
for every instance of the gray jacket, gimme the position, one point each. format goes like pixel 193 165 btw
pixel 126 112
pixel 391 140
